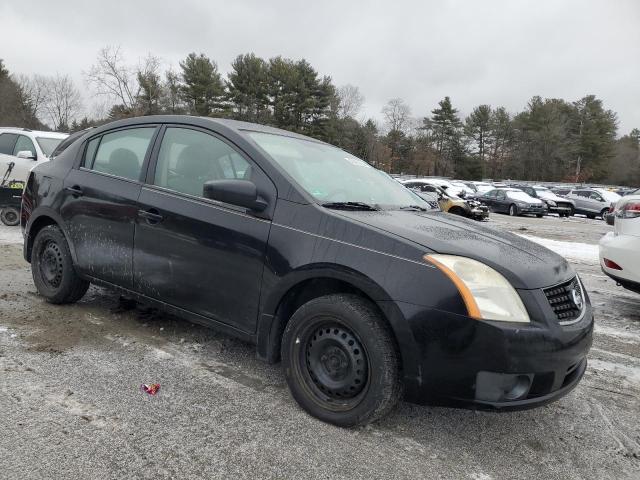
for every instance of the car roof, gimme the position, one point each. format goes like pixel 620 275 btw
pixel 39 133
pixel 236 125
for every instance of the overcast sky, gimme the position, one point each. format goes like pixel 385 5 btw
pixel 495 52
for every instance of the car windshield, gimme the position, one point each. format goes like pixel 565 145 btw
pixel 333 175
pixel 48 144
pixel 609 196
pixel 520 196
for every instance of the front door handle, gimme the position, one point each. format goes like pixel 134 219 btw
pixel 76 191
pixel 152 216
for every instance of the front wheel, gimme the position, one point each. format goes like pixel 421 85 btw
pixel 341 361
pixel 604 212
pixel 52 268
pixel 513 210
pixel 10 216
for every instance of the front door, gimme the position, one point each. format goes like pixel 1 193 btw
pixel 197 254
pixel 100 203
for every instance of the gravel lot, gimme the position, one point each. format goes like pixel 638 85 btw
pixel 71 405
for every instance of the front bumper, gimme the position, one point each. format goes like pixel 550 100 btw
pixel 532 210
pixel 479 212
pixel 497 365
pixel 560 210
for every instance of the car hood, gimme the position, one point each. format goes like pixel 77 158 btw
pixel 525 264
pixel 552 196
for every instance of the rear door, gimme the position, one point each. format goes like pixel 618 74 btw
pixel 198 254
pixel 100 202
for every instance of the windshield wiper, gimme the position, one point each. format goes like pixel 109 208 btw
pixel 413 207
pixel 351 206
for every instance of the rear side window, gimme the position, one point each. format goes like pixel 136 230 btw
pixel 120 153
pixel 24 143
pixel 7 142
pixel 189 158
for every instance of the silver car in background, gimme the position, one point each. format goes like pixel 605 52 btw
pixel 593 202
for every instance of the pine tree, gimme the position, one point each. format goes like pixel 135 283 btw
pixel 202 87
pixel 247 86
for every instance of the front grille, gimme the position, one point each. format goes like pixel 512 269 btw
pixel 563 298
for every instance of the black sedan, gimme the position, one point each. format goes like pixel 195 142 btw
pixel 314 256
pixel 513 201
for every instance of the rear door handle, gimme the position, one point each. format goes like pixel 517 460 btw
pixel 152 216
pixel 76 191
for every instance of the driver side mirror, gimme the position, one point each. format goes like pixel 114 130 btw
pixel 28 154
pixel 242 193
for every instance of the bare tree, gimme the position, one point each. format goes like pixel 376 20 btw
pixel 350 101
pixel 62 101
pixel 397 115
pixel 35 90
pixel 111 76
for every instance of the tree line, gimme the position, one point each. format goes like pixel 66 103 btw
pixel 550 140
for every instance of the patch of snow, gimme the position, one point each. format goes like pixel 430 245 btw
pixel 573 251
pixel 10 235
pixel 628 372
pixel 614 332
pixel 3 329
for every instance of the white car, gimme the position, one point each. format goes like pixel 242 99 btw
pixel 26 149
pixel 620 249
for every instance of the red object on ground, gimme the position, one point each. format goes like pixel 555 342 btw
pixel 151 388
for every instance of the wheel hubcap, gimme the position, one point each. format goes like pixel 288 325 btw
pixel 10 216
pixel 51 265
pixel 336 362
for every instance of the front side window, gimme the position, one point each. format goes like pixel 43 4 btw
pixel 24 143
pixel 330 175
pixel 189 158
pixel 121 153
pixel 7 142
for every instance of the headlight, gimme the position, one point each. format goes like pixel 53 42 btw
pixel 486 293
pixel 522 204
pixel 551 203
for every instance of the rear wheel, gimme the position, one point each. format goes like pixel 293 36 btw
pixel 341 361
pixel 52 268
pixel 10 216
pixel 591 216
pixel 513 210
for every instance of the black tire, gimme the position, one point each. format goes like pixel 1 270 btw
pixel 572 212
pixel 513 210
pixel 591 216
pixel 341 362
pixel 539 215
pixel 52 268
pixel 10 216
pixel 604 212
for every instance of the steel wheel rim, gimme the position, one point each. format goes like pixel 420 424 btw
pixel 334 364
pixel 51 264
pixel 10 216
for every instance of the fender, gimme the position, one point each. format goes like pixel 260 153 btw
pixel 40 212
pixel 272 319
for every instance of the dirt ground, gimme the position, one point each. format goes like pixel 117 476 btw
pixel 71 405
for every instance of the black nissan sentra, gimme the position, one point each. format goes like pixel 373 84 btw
pixel 316 257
